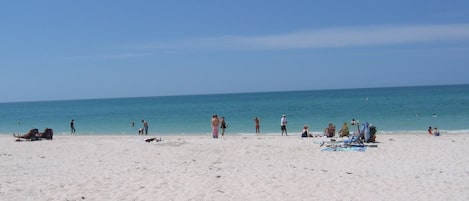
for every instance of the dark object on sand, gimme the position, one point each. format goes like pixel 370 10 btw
pixel 34 134
pixel 31 135
pixel 153 139
pixel 48 134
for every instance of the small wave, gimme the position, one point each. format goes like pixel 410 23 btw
pixel 423 132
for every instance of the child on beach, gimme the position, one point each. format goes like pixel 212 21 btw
pixel 305 132
pixel 436 132
pixel 223 126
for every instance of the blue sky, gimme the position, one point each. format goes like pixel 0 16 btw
pixel 55 50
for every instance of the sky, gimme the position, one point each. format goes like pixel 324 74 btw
pixel 64 50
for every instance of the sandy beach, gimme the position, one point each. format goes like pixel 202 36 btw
pixel 402 167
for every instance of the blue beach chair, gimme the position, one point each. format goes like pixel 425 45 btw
pixel 354 140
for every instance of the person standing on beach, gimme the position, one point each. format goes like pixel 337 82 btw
pixel 215 124
pixel 72 127
pixel 145 126
pixel 223 126
pixel 283 125
pixel 258 126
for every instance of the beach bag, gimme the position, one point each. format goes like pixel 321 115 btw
pixel 365 133
pixel 48 133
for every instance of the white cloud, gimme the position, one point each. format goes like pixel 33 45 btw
pixel 331 38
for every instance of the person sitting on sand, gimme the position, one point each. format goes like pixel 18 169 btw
pixel 430 131
pixel 305 132
pixel 436 132
pixel 344 131
pixel 329 131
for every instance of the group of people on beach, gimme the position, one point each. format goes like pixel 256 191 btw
pixel 330 131
pixel 141 131
pixel 433 131
pixel 144 129
pixel 218 122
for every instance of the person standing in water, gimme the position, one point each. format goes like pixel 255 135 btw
pixel 215 123
pixel 258 125
pixel 283 125
pixel 145 126
pixel 223 126
pixel 72 127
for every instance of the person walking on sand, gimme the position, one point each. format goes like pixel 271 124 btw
pixel 223 126
pixel 215 124
pixel 72 127
pixel 145 126
pixel 258 125
pixel 283 125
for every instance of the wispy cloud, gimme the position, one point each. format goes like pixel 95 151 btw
pixel 330 38
pixel 109 56
pixel 124 55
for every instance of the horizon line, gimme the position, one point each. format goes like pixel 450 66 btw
pixel 230 93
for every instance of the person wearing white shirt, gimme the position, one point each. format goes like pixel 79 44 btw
pixel 283 125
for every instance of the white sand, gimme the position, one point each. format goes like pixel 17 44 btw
pixel 402 167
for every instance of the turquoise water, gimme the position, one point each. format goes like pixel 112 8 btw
pixel 391 110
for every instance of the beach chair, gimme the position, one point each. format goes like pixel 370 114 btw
pixel 368 132
pixel 354 140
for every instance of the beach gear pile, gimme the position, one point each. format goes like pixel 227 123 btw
pixel 35 135
pixel 356 142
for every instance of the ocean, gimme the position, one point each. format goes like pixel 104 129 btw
pixel 391 110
